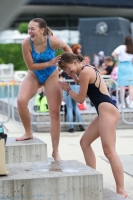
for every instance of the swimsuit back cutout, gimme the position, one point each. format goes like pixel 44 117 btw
pixel 43 74
pixel 94 93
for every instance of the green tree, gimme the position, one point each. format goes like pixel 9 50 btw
pixel 23 27
pixel 1 61
pixel 12 53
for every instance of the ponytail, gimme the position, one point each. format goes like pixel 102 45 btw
pixel 48 31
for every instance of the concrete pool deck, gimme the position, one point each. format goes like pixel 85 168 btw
pixel 70 150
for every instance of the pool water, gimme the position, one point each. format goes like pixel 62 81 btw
pixel 9 91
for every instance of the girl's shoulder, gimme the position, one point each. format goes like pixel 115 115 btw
pixel 26 44
pixel 53 38
pixel 89 68
pixel 26 41
pixel 55 42
pixel 123 47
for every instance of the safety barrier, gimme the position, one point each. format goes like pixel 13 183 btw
pixel 87 115
pixel 127 119
pixel 8 107
pixel 6 70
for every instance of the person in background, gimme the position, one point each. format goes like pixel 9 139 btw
pixel 87 59
pixel 39 53
pixel 76 48
pixel 72 109
pixel 101 58
pixel 104 125
pixel 125 68
pixel 96 61
pixel 107 66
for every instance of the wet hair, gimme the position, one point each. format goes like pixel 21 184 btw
pixel 42 24
pixel 68 58
pixel 129 44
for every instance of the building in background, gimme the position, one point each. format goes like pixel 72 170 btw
pixel 64 18
pixel 64 14
pixel 104 34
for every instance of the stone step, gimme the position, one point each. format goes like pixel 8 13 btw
pixel 110 195
pixel 69 180
pixel 33 150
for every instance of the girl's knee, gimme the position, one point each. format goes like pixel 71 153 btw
pixel 21 102
pixel 83 143
pixel 55 115
pixel 108 152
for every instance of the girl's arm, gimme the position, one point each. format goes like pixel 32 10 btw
pixel 56 43
pixel 114 54
pixel 84 79
pixel 26 51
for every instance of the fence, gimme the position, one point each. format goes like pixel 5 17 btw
pixel 129 119
pixel 8 107
pixel 7 70
pixel 4 102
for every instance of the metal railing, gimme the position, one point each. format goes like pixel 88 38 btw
pixel 8 106
pixel 43 118
pixel 5 111
pixel 127 119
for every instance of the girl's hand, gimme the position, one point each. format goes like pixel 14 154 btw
pixel 54 61
pixel 75 78
pixel 63 85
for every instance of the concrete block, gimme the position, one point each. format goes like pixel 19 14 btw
pixel 33 150
pixel 110 195
pixel 65 180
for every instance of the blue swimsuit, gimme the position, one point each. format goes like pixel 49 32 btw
pixel 94 93
pixel 43 74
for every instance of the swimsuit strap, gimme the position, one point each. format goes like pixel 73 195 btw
pixel 32 45
pixel 48 40
pixel 97 73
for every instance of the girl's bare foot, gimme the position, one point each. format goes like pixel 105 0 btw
pixel 123 194
pixel 56 156
pixel 25 137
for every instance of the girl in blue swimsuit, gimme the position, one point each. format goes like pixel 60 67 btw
pixel 39 55
pixel 104 125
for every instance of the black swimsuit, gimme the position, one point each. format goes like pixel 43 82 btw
pixel 94 93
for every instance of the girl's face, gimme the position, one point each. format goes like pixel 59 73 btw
pixel 71 68
pixel 78 51
pixel 34 31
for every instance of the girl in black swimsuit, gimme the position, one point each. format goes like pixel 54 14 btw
pixel 104 125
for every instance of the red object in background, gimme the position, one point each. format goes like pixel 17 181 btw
pixel 82 106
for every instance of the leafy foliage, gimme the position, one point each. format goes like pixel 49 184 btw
pixel 12 53
pixel 23 27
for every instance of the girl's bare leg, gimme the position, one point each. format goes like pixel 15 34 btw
pixel 54 98
pixel 89 136
pixel 108 119
pixel 27 90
